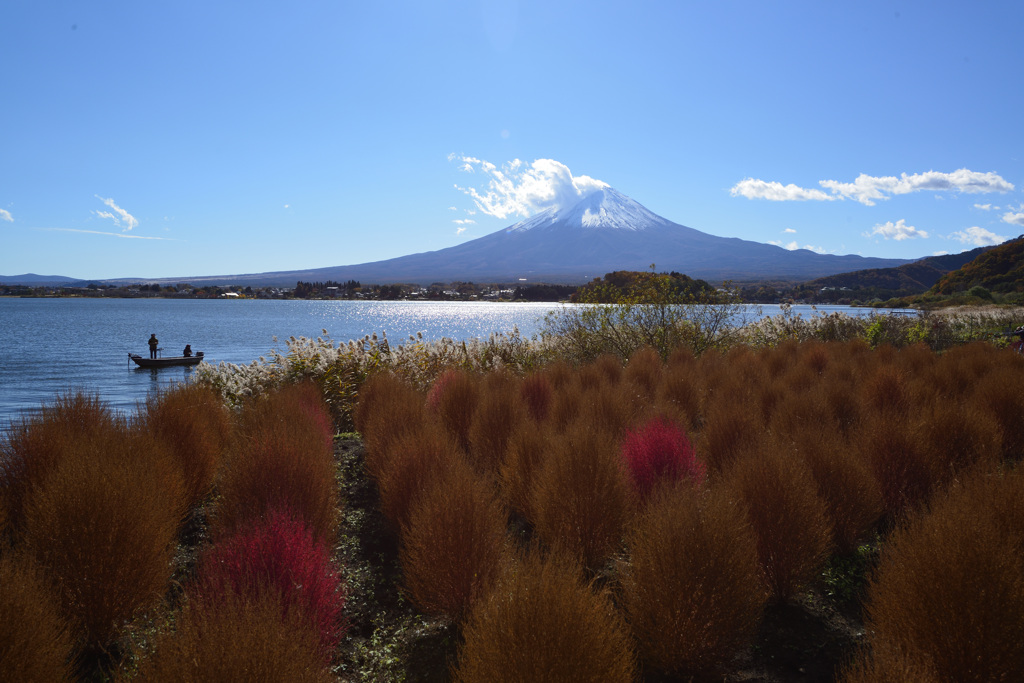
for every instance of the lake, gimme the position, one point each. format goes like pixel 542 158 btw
pixel 55 345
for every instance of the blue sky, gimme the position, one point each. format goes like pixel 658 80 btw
pixel 159 139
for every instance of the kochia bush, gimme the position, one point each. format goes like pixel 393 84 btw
pixel 659 451
pixel 280 556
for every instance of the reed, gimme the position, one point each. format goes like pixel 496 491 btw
pixel 692 590
pixel 544 623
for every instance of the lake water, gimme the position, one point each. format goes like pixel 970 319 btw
pixel 56 345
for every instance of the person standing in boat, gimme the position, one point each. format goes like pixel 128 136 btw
pixel 153 343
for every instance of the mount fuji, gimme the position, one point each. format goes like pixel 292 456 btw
pixel 605 231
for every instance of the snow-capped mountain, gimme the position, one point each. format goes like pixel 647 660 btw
pixel 603 232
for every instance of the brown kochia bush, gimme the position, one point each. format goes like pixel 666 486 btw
pixel 498 415
pixel 35 643
pixel 786 514
pixel 949 589
pixel 103 524
pixel 905 473
pixel 536 392
pixel 244 639
pixel 542 622
pixel 452 548
pixel 692 589
pixel 33 445
pixel 388 408
pixel 193 422
pixel 453 399
pixel 852 498
pixel 526 452
pixel 581 496
pixel 415 458
pixel 280 458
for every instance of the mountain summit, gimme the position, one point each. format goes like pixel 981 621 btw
pixel 605 208
pixel 603 232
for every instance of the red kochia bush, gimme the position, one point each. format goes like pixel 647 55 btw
pixel 279 555
pixel 660 452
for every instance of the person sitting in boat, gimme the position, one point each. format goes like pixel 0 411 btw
pixel 188 350
pixel 153 344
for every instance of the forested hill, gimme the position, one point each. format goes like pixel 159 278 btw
pixel 997 269
pixel 905 280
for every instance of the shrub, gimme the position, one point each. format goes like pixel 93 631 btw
pixel 453 398
pixel 692 589
pixel 35 643
pixel 679 393
pixel 644 370
pixel 103 523
pixel 280 458
pixel 193 422
pixel 279 556
pixel 786 514
pixel 904 472
pixel 657 452
pixel 527 450
pixel 415 459
pixel 581 498
pixel 730 431
pixel 852 498
pixel 888 665
pixel 452 549
pixel 999 395
pixel 495 419
pixel 536 392
pixel 388 408
pixel 32 446
pixel 243 639
pixel 544 623
pixel 949 588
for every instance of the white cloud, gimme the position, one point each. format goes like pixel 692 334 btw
pixel 896 231
pixel 793 246
pixel 986 207
pixel 776 192
pixel 521 189
pixel 123 219
pixel 459 231
pixel 452 208
pixel 940 253
pixel 108 234
pixel 789 230
pixel 5 215
pixel 464 221
pixel 979 237
pixel 869 189
pixel 1014 218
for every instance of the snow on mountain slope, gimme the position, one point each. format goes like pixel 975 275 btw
pixel 604 208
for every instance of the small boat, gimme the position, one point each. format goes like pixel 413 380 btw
pixel 166 361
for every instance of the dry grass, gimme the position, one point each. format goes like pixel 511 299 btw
pixel 692 589
pixel 544 623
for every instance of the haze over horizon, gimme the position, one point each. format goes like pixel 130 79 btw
pixel 146 140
